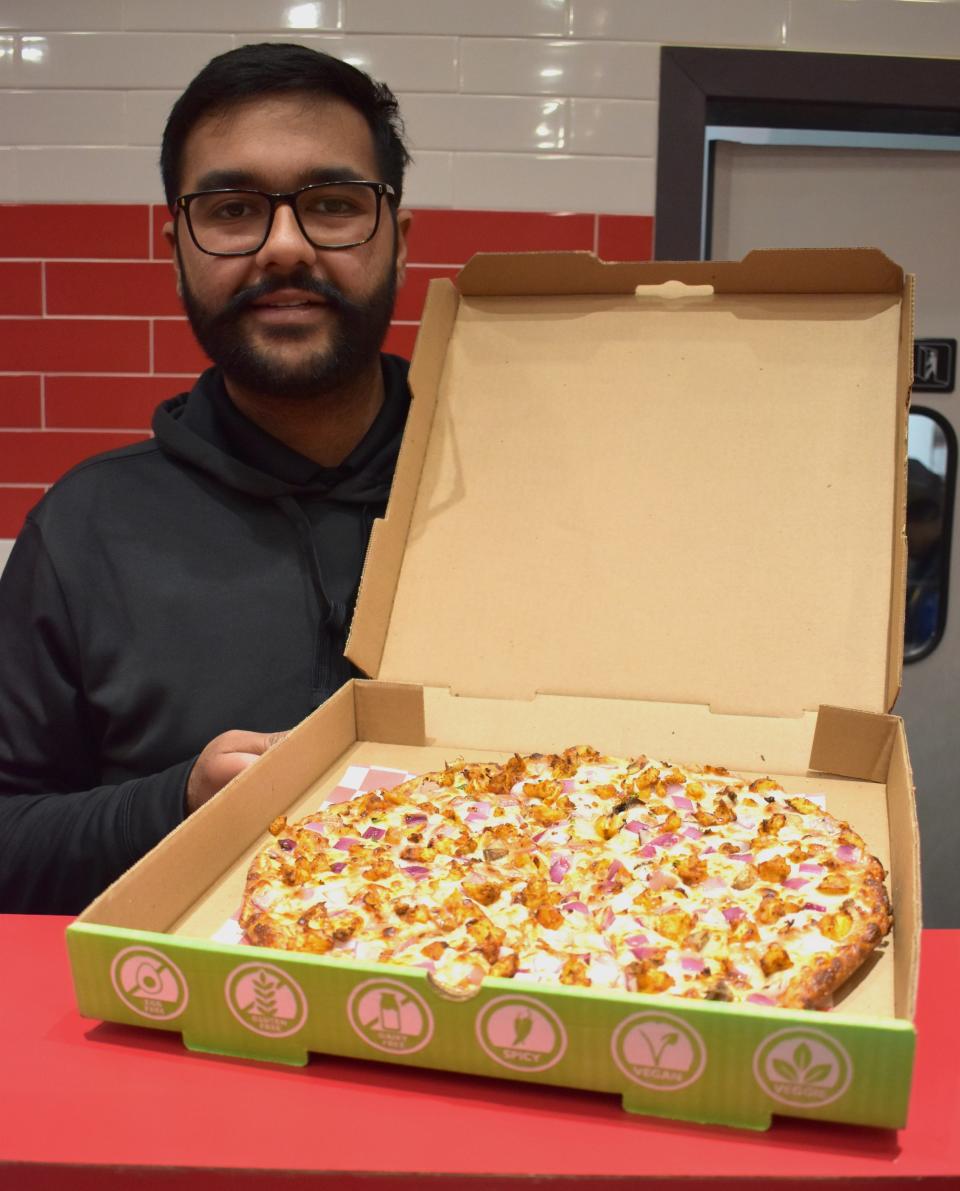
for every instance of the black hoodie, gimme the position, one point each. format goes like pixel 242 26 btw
pixel 157 596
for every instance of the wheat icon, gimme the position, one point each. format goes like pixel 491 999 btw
pixel 802 1070
pixel 264 994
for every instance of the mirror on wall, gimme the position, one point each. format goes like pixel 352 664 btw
pixel 931 467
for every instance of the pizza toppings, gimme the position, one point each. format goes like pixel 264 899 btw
pixel 583 870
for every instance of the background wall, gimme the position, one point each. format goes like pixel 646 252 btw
pixel 533 124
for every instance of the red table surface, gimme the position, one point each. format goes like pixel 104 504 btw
pixel 87 1105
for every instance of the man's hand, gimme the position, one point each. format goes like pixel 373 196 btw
pixel 224 757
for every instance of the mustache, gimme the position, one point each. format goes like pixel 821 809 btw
pixel 297 280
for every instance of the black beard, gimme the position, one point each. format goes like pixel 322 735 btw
pixel 357 333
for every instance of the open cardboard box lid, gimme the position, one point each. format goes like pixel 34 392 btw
pixel 643 490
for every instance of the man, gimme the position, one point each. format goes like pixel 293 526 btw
pixel 166 598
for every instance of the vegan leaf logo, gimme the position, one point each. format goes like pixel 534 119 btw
pixel 659 1051
pixel 665 1041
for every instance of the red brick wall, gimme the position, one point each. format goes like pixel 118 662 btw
pixel 92 337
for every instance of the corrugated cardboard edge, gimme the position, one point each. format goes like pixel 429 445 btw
pixel 856 744
pixel 388 539
pixel 898 592
pixel 765 271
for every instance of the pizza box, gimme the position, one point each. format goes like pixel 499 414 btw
pixel 651 507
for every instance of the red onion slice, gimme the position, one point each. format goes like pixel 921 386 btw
pixel 645 952
pixel 374 833
pixel 815 870
pixel 636 941
pixel 795 882
pixel 681 803
pixel 345 844
pixel 665 841
pixel 415 818
pixel 559 869
pixel 814 906
pixel 636 827
pixel 615 867
pixel 734 913
pixel 760 999
pixel 692 963
pixel 693 832
pixel 648 852
pixel 417 871
pixel 847 852
pixel 338 867
pixel 579 907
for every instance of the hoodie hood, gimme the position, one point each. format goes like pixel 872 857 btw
pixel 205 429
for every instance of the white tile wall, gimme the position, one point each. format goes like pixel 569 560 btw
pixel 63 117
pixel 35 15
pixel 217 15
pixel 619 127
pixel 9 176
pixel 429 181
pixel 87 174
pixel 678 22
pixel 145 113
pixel 511 123
pixel 526 67
pixel 529 182
pixel 114 59
pixel 510 104
pixel 879 27
pixel 507 18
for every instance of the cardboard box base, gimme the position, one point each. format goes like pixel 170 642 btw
pixel 142 953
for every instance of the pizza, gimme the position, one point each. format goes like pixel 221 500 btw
pixel 583 870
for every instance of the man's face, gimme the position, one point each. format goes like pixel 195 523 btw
pixel 290 320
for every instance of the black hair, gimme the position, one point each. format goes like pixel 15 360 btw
pixel 272 68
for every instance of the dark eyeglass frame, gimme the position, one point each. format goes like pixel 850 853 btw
pixel 380 189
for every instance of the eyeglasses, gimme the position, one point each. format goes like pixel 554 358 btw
pixel 329 214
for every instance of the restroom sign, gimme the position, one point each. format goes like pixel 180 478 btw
pixel 934 365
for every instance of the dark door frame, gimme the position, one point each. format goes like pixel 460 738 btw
pixel 780 89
